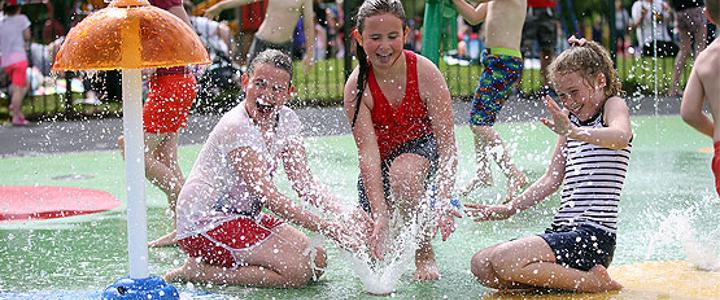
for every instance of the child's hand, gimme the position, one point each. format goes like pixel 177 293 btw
pixel 362 222
pixel 484 212
pixel 560 123
pixel 344 237
pixel 379 236
pixel 446 222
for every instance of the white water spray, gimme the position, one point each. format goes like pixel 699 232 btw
pixel 700 249
pixel 381 277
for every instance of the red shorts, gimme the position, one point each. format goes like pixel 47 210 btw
pixel 17 73
pixel 217 246
pixel 168 102
pixel 716 167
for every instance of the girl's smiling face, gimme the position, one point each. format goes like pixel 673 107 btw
pixel 578 96
pixel 382 38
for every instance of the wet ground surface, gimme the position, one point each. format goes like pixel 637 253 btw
pixel 101 134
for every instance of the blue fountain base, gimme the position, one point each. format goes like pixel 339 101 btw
pixel 153 287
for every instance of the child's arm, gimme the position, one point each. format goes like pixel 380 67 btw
pixel 439 106
pixel 616 135
pixel 311 191
pixel 691 108
pixel 369 157
pixel 216 9
pixel 250 168
pixel 538 191
pixel 472 15
pixel 298 172
pixel 179 11
pixel 309 30
pixel 368 149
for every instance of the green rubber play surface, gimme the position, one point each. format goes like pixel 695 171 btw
pixel 669 184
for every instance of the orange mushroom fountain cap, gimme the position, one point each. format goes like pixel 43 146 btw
pixel 129 3
pixel 130 34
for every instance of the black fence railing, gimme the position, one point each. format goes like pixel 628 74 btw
pixel 68 94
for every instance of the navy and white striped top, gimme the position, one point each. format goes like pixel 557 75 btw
pixel 594 178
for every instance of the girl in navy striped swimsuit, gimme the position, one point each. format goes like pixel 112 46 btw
pixel 589 161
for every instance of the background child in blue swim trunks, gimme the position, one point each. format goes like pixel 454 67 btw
pixel 503 69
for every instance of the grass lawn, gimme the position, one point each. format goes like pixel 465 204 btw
pixel 323 86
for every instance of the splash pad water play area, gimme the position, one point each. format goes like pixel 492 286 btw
pixel 667 245
pixel 668 225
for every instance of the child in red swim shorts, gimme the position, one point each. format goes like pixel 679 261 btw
pixel 224 221
pixel 703 85
pixel 172 92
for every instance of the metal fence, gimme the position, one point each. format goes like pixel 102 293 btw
pixel 52 95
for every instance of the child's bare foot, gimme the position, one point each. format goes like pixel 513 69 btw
pixel 426 269
pixel 481 180
pixel 515 182
pixel 164 241
pixel 181 273
pixel 174 275
pixel 601 281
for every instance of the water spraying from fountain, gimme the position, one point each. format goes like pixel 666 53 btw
pixel 699 248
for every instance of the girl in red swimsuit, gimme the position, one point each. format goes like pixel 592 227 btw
pixel 400 110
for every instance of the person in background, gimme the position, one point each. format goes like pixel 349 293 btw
pixel 703 87
pixel 622 24
pixel 690 24
pixel 276 30
pixel 650 19
pixel 503 67
pixel 171 93
pixel 541 26
pixel 15 28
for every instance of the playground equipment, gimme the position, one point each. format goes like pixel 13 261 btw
pixel 132 35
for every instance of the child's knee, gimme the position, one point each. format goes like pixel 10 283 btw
pixel 502 260
pixel 298 276
pixel 480 263
pixel 407 179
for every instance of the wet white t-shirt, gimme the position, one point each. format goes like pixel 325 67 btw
pixel 214 192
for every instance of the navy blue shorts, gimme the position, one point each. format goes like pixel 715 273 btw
pixel 425 146
pixel 581 247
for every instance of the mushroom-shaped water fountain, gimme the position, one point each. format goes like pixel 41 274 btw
pixel 131 35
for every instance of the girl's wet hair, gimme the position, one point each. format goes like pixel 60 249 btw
pixel 273 57
pixel 368 9
pixel 588 60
